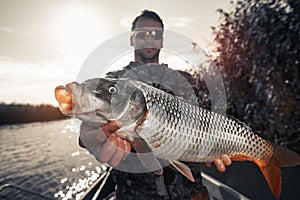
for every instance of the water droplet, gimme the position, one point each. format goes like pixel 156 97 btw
pixel 63 180
pixel 76 153
pixel 82 168
pixel 88 172
pixel 98 169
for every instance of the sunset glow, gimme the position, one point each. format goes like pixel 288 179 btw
pixel 77 28
pixel 45 43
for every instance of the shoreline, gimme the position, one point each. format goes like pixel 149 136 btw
pixel 13 113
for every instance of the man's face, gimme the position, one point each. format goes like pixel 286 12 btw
pixel 147 39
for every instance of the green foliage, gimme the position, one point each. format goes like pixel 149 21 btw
pixel 258 49
pixel 21 113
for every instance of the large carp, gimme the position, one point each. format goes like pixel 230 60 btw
pixel 161 125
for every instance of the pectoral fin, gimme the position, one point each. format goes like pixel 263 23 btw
pixel 183 169
pixel 145 154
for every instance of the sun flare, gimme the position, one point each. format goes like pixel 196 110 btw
pixel 77 28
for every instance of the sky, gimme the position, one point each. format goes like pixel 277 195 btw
pixel 45 43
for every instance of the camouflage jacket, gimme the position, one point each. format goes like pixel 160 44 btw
pixel 172 184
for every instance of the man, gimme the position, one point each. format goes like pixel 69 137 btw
pixel 107 147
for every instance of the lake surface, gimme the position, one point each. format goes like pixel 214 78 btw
pixel 45 158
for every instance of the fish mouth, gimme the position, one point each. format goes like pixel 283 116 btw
pixel 84 102
pixel 65 97
pixel 72 102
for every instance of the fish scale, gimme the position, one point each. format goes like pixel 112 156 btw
pixel 214 133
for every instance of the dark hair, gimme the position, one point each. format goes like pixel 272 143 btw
pixel 147 15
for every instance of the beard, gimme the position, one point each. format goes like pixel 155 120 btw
pixel 147 54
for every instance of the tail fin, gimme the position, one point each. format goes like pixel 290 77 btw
pixel 281 158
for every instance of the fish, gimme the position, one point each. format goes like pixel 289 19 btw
pixel 161 125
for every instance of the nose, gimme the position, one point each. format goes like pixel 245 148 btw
pixel 149 38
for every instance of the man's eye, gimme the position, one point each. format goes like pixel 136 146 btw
pixel 112 90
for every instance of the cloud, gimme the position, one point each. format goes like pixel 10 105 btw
pixel 178 21
pixel 126 22
pixel 28 82
pixel 169 22
pixel 19 32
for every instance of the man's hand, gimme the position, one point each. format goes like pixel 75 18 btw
pixel 220 163
pixel 104 143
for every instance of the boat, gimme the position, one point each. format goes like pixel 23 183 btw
pixel 103 189
pixel 242 181
pixel 10 192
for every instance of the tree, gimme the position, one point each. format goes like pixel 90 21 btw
pixel 258 51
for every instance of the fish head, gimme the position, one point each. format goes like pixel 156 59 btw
pixel 79 100
pixel 124 101
pixel 101 100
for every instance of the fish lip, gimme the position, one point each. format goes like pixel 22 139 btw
pixel 61 87
pixel 71 89
pixel 64 104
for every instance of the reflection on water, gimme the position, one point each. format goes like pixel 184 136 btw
pixel 77 189
pixel 45 158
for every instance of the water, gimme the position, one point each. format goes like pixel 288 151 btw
pixel 45 158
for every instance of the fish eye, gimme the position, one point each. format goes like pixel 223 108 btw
pixel 112 90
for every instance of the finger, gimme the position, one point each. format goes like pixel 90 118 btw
pixel 226 160
pixel 208 164
pixel 92 139
pixel 127 148
pixel 85 127
pixel 220 165
pixel 106 152
pixel 118 156
pixel 110 128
